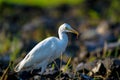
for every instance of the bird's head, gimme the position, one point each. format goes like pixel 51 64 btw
pixel 67 28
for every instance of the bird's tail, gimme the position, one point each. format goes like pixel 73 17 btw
pixel 19 66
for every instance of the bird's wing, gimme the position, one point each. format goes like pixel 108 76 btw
pixel 42 51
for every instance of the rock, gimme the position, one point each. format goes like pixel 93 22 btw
pixel 85 67
pixel 107 63
pixel 85 77
pixel 115 69
pixel 99 69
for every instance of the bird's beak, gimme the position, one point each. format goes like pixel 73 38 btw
pixel 75 32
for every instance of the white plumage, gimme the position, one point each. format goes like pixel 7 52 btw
pixel 46 51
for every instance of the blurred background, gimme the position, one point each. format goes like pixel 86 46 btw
pixel 24 23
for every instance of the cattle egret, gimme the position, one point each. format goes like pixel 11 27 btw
pixel 46 51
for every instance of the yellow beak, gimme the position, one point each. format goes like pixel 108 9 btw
pixel 75 32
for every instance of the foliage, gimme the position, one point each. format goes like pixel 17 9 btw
pixel 50 14
pixel 4 43
pixel 114 11
pixel 43 3
pixel 15 49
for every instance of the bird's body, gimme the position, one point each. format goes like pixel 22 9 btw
pixel 45 52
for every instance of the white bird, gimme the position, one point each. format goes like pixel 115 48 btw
pixel 46 51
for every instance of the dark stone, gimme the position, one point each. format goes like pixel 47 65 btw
pixel 99 69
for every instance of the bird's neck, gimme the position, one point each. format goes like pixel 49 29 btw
pixel 63 38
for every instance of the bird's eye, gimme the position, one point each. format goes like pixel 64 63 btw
pixel 66 28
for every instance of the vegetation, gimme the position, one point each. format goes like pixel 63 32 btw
pixel 24 23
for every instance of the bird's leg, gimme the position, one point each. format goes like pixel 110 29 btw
pixel 43 66
pixel 56 65
pixel 42 69
pixel 61 60
pixel 32 70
